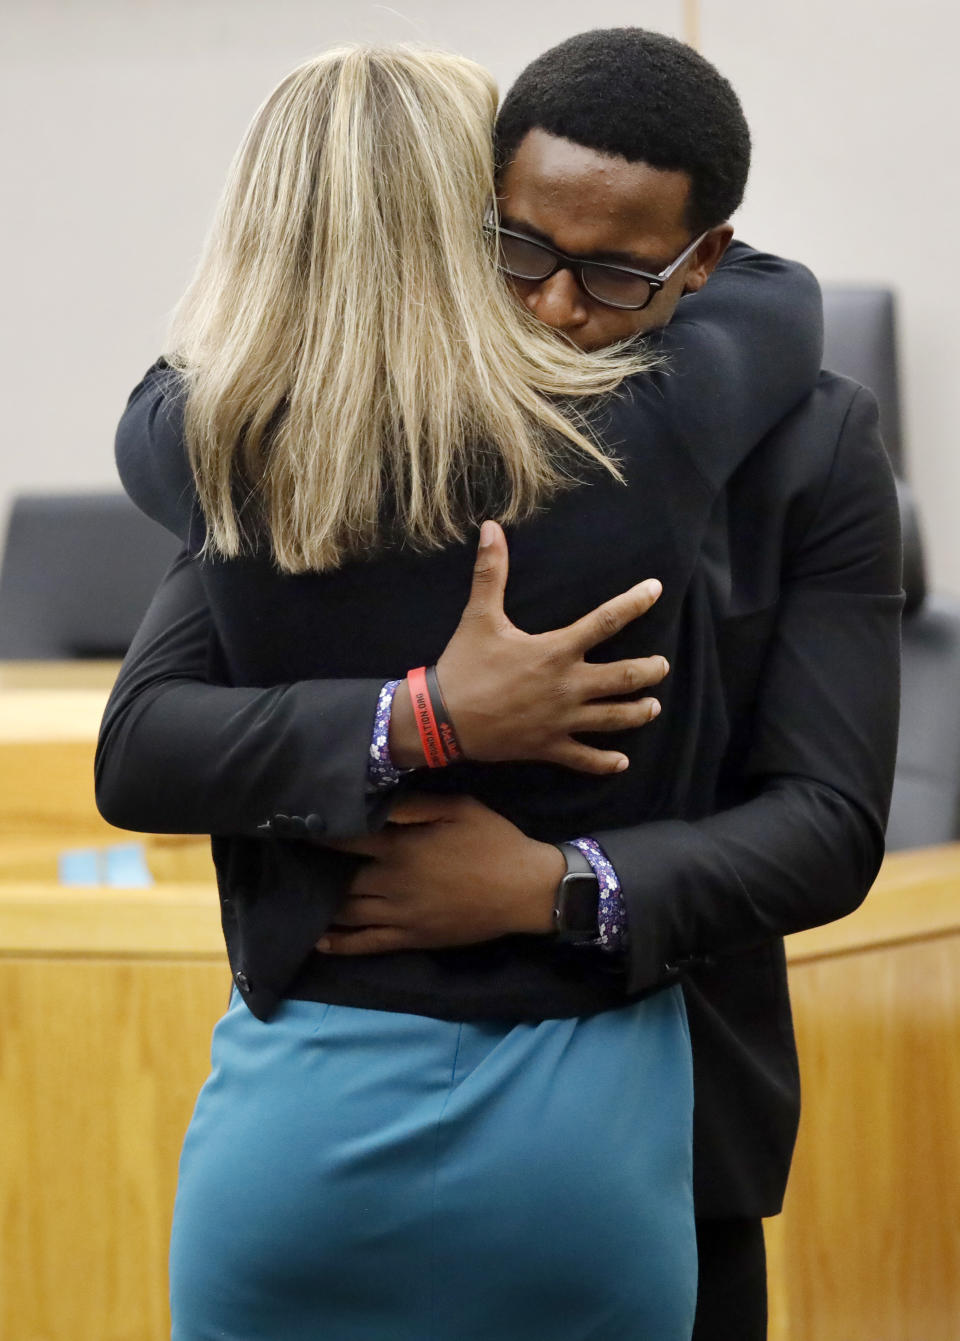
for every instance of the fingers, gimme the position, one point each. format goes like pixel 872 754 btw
pixel 585 759
pixel 603 717
pixel 616 716
pixel 364 910
pixel 623 677
pixel 489 574
pixel 367 941
pixel 613 615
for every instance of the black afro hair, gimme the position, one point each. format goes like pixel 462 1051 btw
pixel 645 97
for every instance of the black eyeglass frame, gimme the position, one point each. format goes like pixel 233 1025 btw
pixel 577 263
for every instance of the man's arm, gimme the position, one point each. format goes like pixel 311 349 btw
pixel 177 754
pixel 151 455
pixel 180 754
pixel 802 851
pixel 807 847
pixel 738 356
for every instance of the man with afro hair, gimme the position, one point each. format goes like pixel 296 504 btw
pixel 621 146
pixel 638 95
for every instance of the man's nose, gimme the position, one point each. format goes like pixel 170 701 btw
pixel 559 302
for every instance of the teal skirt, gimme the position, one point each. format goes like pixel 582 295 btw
pixel 360 1175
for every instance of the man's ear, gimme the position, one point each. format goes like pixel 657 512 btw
pixel 707 257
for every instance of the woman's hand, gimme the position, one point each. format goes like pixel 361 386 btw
pixel 515 695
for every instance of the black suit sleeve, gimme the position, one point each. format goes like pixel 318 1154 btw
pixel 737 357
pixel 179 755
pixel 151 454
pixel 807 846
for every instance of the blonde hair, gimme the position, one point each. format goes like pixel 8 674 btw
pixel 348 347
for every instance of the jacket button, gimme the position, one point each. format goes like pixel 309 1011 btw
pixel 316 825
pixel 242 981
pixel 289 826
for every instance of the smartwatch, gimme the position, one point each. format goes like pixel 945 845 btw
pixel 577 900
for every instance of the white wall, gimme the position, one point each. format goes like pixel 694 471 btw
pixel 117 122
pixel 853 109
pixel 118 118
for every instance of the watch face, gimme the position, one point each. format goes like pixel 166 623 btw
pixel 579 897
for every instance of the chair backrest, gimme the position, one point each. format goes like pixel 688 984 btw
pixel 926 792
pixel 78 573
pixel 860 341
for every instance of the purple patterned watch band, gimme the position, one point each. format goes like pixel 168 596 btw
pixel 611 910
pixel 381 770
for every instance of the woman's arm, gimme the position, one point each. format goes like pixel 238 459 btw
pixel 738 356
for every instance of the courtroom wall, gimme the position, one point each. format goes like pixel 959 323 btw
pixel 853 107
pixel 119 119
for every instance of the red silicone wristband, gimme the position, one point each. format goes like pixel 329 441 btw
pixel 426 721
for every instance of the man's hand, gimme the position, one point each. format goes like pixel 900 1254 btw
pixel 515 695
pixel 445 871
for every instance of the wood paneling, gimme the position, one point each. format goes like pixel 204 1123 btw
pixel 59 675
pixel 36 859
pixel 916 896
pixel 100 1063
pixel 110 996
pixel 49 719
pixel 868 1245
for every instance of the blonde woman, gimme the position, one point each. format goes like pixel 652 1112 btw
pixel 448 1143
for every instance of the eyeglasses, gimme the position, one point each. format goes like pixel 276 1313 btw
pixel 620 286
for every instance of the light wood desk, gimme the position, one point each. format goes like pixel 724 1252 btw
pixel 49 719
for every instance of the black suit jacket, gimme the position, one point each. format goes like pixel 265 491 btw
pixel 754 806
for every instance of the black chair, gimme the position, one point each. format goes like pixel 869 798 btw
pixel 860 342
pixel 78 573
pixel 926 791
